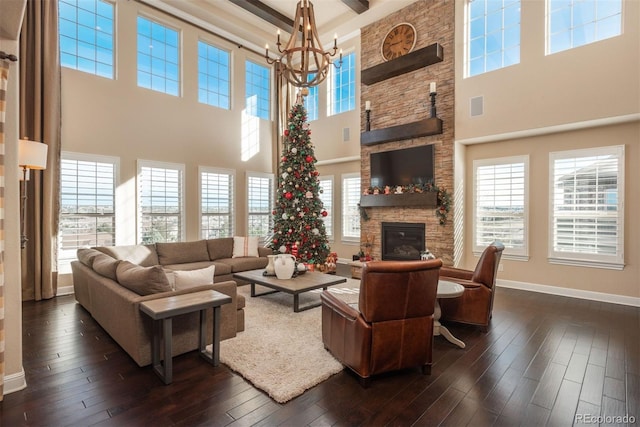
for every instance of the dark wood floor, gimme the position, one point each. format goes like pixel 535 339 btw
pixel 545 360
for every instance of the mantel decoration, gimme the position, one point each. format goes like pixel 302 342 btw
pixel 444 199
pixel 303 62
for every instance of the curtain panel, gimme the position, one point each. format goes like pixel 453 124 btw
pixel 4 78
pixel 40 121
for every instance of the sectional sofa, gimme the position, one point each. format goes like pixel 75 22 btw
pixel 111 281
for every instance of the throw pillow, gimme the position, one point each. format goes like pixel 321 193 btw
pixel 185 279
pixel 106 266
pixel 142 280
pixel 245 246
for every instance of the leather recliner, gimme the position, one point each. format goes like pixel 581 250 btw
pixel 475 306
pixel 392 328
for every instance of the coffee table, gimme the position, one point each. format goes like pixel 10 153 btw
pixel 295 286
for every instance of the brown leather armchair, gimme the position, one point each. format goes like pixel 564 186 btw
pixel 393 327
pixel 476 303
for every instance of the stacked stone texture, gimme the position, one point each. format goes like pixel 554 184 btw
pixel 404 99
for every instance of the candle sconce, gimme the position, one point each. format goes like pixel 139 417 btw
pixel 432 109
pixel 367 123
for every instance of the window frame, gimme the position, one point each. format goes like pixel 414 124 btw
pixel 180 167
pixel 64 263
pixel 269 212
pixel 95 46
pixel 520 253
pixel 167 26
pixel 232 195
pixel 229 72
pixel 593 259
pixel 333 101
pixel 329 219
pixel 571 28
pixel 487 32
pixel 346 236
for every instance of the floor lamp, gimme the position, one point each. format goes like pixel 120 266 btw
pixel 31 155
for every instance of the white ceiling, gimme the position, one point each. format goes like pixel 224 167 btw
pixel 236 23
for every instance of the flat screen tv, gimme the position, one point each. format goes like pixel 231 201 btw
pixel 403 167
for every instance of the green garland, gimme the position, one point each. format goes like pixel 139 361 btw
pixel 443 198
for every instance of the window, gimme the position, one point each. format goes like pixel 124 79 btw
pixel 87 204
pixel 216 203
pixel 587 207
pixel 493 35
pixel 257 91
pixel 86 36
pixel 342 86
pixel 350 212
pixel 500 204
pixel 213 75
pixel 158 57
pixel 160 202
pixel 573 23
pixel 259 204
pixel 311 101
pixel 326 196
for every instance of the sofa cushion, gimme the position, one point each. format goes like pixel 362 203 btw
pixel 185 279
pixel 188 265
pixel 106 266
pixel 86 256
pixel 244 263
pixel 220 248
pixel 182 252
pixel 144 255
pixel 245 246
pixel 142 280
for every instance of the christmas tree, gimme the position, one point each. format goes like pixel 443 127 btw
pixel 298 226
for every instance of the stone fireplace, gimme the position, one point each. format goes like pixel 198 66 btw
pixel 402 241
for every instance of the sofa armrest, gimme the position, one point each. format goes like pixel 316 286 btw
pixel 338 306
pixel 455 273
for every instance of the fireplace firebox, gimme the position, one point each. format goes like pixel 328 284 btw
pixel 402 241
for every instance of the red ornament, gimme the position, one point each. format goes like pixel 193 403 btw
pixel 284 159
pixel 309 132
pixel 288 195
pixel 325 213
pixel 309 159
pixel 307 227
pixel 286 132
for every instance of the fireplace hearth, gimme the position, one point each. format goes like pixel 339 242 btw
pixel 402 241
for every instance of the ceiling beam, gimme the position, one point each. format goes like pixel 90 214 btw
pixel 270 15
pixel 358 6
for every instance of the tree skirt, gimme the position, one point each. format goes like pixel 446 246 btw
pixel 281 352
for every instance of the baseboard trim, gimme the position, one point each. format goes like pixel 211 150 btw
pixel 567 292
pixel 14 382
pixel 64 290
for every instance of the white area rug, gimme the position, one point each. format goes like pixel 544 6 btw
pixel 281 352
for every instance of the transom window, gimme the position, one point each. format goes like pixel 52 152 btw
pixel 350 212
pixel 87 204
pixel 258 90
pixel 160 202
pixel 342 86
pixel 493 35
pixel 213 75
pixel 158 57
pixel 216 202
pixel 587 207
pixel 86 36
pixel 311 101
pixel 259 204
pixel 500 204
pixel 326 196
pixel 573 23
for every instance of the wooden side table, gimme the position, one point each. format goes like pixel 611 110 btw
pixel 162 311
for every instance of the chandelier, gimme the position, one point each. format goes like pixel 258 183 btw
pixel 303 62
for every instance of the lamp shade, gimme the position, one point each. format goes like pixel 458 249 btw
pixel 32 154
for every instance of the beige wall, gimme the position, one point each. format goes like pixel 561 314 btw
pixel 117 118
pixel 583 97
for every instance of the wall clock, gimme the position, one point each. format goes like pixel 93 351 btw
pixel 399 41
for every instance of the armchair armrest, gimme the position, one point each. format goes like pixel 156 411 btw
pixel 456 273
pixel 340 307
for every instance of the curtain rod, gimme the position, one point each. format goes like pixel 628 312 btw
pixel 200 27
pixel 10 57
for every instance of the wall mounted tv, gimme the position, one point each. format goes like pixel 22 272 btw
pixel 403 167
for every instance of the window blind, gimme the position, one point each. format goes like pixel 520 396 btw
pixel 326 196
pixel 160 203
pixel 350 212
pixel 216 204
pixel 259 205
